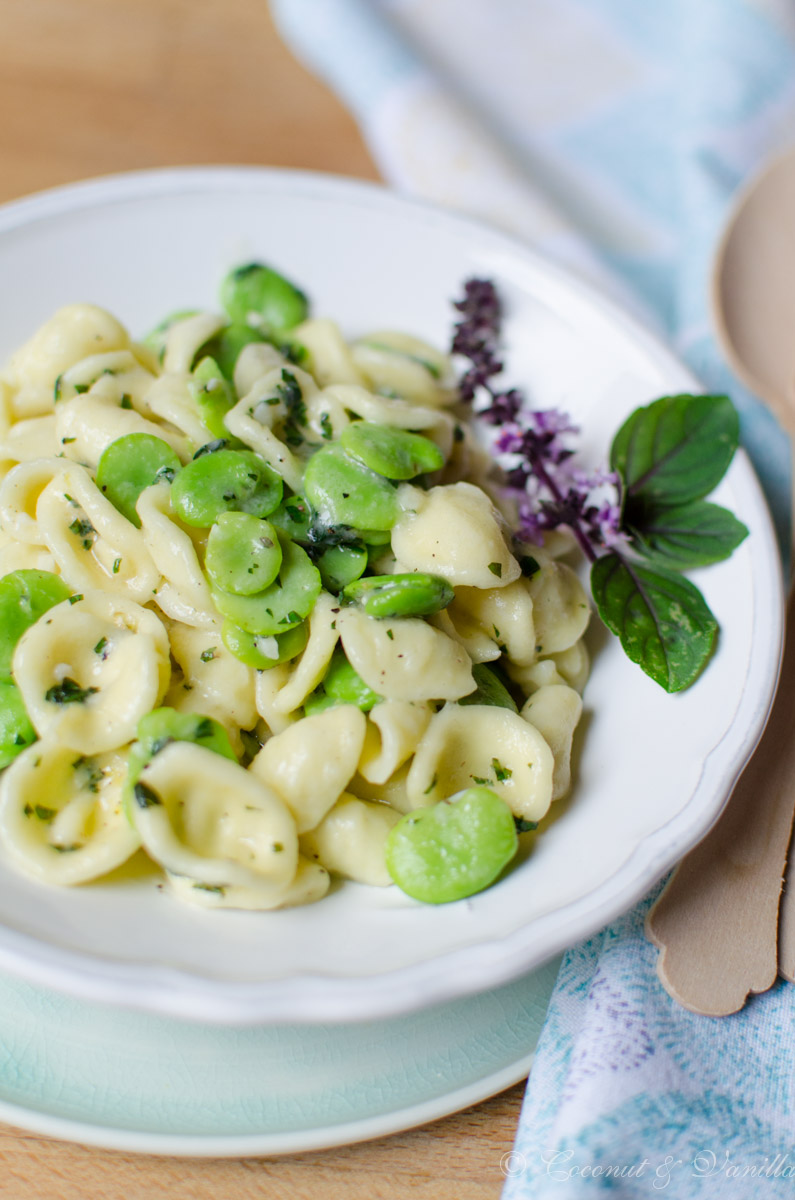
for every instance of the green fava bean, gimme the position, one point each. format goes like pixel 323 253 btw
pixel 162 726
pixel 243 553
pixel 16 731
pixel 394 453
pixel 453 849
pixel 225 346
pixel 344 491
pixel 294 517
pixel 288 600
pixel 490 690
pixel 256 294
pixel 224 481
pixel 213 395
pixel 24 596
pixel 412 595
pixel 341 685
pixel 263 653
pixel 131 464
pixel 341 565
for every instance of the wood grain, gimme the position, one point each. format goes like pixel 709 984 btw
pixel 93 86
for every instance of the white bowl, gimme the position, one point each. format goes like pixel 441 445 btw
pixel 654 770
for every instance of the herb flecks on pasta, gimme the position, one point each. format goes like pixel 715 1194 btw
pixel 263 618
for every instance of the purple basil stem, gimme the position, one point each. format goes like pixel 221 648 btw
pixel 552 491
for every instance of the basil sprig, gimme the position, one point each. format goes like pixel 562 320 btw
pixel 669 456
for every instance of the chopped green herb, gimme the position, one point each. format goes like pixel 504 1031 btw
pixel 208 655
pixel 145 797
pixel 496 569
pixel 126 401
pixel 529 566
pixel 501 773
pixel 68 692
pixel 116 565
pixel 100 646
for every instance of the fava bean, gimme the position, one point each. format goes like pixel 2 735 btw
pixel 294 517
pixel 225 481
pixel 16 731
pixel 341 685
pixel 225 346
pixel 341 565
pixel 412 595
pixel 452 849
pixel 243 553
pixel 24 596
pixel 129 465
pixel 263 652
pixel 490 689
pixel 213 395
pixel 257 295
pixel 393 453
pixel 344 491
pixel 288 600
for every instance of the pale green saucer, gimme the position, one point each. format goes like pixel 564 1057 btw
pixel 129 1080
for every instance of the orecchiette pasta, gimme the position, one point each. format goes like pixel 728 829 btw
pixel 61 815
pixel 311 763
pixel 260 604
pixel 453 531
pixel 86 698
pixel 482 744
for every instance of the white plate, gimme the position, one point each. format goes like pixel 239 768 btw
pixel 654 770
pixel 155 1085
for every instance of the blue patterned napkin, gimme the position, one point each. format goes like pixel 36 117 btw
pixel 612 134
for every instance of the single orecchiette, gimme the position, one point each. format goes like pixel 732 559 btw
pixel 393 729
pixel 71 334
pixel 560 608
pixel 405 659
pixel 350 840
pixel 555 710
pixel 482 744
pixel 310 764
pixel 61 815
pixel 503 614
pixel 213 681
pixel 90 668
pixel 201 815
pixel 454 532
pixel 92 543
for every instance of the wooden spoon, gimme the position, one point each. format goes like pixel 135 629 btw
pixel 717 922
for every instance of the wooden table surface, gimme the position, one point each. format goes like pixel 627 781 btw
pixel 93 86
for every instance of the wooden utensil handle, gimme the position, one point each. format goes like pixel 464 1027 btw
pixel 716 921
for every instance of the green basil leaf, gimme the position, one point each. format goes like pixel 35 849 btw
pixel 661 619
pixel 690 535
pixel 674 450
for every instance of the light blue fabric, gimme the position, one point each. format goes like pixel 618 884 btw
pixel 633 124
